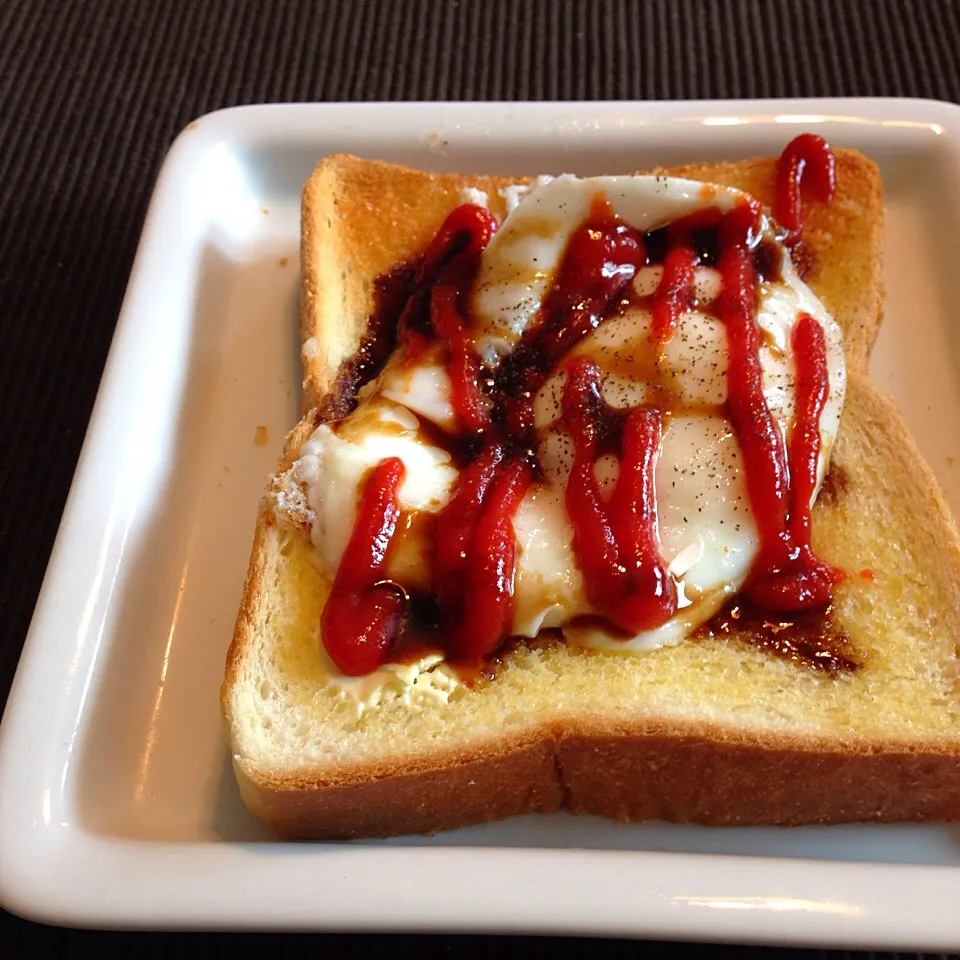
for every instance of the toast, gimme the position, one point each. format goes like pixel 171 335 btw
pixel 712 730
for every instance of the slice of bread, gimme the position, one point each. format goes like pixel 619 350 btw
pixel 712 730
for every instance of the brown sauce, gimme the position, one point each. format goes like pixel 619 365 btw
pixel 810 638
pixel 767 255
pixel 835 485
pixel 422 637
pixel 392 291
pixel 805 259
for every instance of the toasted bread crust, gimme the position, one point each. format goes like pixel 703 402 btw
pixel 670 776
pixel 709 775
pixel 703 779
pixel 501 780
pixel 641 769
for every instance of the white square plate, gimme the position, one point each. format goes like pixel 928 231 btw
pixel 117 801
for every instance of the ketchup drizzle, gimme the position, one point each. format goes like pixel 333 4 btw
pixel 362 615
pixel 463 364
pixel 601 259
pixel 457 524
pixel 674 293
pixel 786 574
pixel 466 232
pixel 617 544
pixel 759 436
pixel 487 611
pixel 450 262
pixel 807 165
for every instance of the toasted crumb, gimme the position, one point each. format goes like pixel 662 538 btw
pixel 265 211
pixel 261 437
pixel 951 460
pixel 284 261
pixel 192 125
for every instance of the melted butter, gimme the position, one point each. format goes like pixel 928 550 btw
pixel 427 679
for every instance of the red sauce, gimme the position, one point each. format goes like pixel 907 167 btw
pixel 616 539
pixel 806 166
pixel 601 258
pixel 675 292
pixel 457 525
pixel 616 543
pixel 463 364
pixel 465 233
pixel 449 264
pixel 361 618
pixel 486 614
pixel 786 575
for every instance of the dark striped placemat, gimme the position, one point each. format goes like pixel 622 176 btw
pixel 93 92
